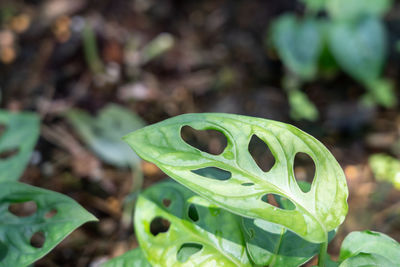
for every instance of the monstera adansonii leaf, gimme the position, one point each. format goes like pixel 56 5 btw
pixel 55 217
pixel 244 186
pixel 175 227
pixel 375 247
pixel 132 258
pixel 18 138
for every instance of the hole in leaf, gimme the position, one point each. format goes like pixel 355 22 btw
pixel 213 173
pixel 50 214
pixel 38 239
pixel 304 170
pixel 248 184
pixel 192 213
pixel 159 225
pixel 187 250
pixel 278 201
pixel 261 153
pixel 8 153
pixel 23 209
pixel 166 202
pixel 2 129
pixel 210 141
pixel 3 251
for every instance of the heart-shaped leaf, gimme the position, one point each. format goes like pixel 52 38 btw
pixel 372 243
pixel 174 227
pixel 17 141
pixel 103 134
pixel 299 44
pixel 133 258
pixel 243 186
pixel 354 9
pixel 359 47
pixel 55 217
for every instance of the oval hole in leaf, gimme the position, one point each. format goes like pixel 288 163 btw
pixel 187 250
pixel 261 153
pixel 248 184
pixel 213 173
pixel 3 250
pixel 23 209
pixel 278 201
pixel 159 225
pixel 38 239
pixel 166 202
pixel 50 214
pixel 8 153
pixel 209 141
pixel 304 169
pixel 192 213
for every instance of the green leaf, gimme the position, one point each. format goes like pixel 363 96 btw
pixel 174 227
pixel 301 107
pixel 316 212
pixel 18 140
pixel 133 258
pixel 269 244
pixel 16 232
pixel 367 260
pixel 385 168
pixel 370 242
pixel 354 9
pixel 382 92
pixel 103 134
pixel 359 48
pixel 314 5
pixel 299 44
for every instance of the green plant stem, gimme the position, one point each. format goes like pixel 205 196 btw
pixel 323 254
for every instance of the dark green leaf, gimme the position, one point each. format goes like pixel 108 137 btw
pixel 317 212
pixel 177 228
pixel 370 242
pixel 299 44
pixel 103 134
pixel 133 258
pixel 359 48
pixel 16 232
pixel 16 143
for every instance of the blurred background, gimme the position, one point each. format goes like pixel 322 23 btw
pixel 96 70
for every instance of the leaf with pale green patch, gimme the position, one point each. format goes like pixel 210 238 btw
pixel 242 185
pixel 132 258
pixel 55 217
pixel 372 243
pixel 17 141
pixel 175 227
pixel 103 133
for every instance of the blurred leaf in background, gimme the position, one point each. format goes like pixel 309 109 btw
pixel 354 9
pixel 103 133
pixel 301 107
pixel 19 133
pixel 386 168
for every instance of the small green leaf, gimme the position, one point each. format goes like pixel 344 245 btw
pixel 301 107
pixel 174 227
pixel 16 232
pixel 132 258
pixel 382 92
pixel 18 140
pixel 367 260
pixel 359 47
pixel 370 242
pixel 299 44
pixel 103 134
pixel 317 212
pixel 385 168
pixel 354 9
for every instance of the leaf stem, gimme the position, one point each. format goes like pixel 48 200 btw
pixel 323 254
